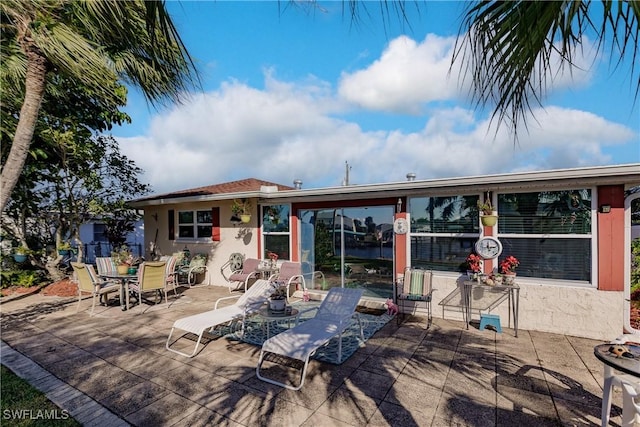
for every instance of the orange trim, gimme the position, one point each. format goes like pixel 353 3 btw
pixel 611 239
pixel 401 248
pixel 293 230
pixel 488 264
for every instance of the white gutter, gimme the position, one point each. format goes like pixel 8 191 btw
pixel 560 178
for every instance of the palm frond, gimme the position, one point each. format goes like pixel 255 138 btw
pixel 508 48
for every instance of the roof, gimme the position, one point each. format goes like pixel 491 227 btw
pixel 520 181
pixel 235 188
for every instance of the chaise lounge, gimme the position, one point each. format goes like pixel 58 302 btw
pixel 335 314
pixel 248 303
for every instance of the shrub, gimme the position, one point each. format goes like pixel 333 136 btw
pixel 635 269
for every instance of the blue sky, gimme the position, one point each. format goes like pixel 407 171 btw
pixel 292 93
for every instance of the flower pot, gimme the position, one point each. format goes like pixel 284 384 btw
pixel 123 269
pixel 509 278
pixel 19 257
pixel 489 220
pixel 245 218
pixel 472 275
pixel 277 304
pixel 132 270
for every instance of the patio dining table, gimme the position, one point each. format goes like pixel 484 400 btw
pixel 124 279
pixel 629 364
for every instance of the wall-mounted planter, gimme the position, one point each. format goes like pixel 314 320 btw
pixel 19 257
pixel 245 218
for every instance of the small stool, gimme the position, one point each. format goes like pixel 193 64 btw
pixel 490 320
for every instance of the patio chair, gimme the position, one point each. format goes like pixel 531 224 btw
pixel 291 274
pixel 240 277
pixel 197 265
pixel 248 303
pixel 105 264
pixel 335 314
pixel 88 281
pixel 310 276
pixel 416 287
pixel 152 277
pixel 171 270
pixel 630 401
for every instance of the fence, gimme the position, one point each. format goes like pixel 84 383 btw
pixel 103 249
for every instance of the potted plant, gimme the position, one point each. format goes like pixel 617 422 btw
pixel 274 258
pixel 242 208
pixel 21 253
pixel 473 266
pixel 278 299
pixel 488 214
pixel 64 248
pixel 123 259
pixel 508 267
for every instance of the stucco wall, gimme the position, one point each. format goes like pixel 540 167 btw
pixel 575 311
pixel 241 238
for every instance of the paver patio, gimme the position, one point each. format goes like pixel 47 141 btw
pixel 403 376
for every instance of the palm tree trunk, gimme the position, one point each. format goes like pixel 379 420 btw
pixel 35 83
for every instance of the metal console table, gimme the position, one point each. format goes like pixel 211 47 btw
pixel 483 297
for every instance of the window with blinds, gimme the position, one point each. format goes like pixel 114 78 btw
pixel 443 231
pixel 549 232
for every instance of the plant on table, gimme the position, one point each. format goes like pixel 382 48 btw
pixel 123 256
pixel 278 298
pixel 273 257
pixel 473 266
pixel 509 264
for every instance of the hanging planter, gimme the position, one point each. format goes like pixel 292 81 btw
pixel 489 220
pixel 242 209
pixel 488 216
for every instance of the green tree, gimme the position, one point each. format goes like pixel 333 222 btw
pixel 93 42
pixel 510 48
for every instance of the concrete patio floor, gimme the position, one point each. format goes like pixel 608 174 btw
pixel 114 366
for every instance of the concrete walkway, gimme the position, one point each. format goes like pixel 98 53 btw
pixel 113 369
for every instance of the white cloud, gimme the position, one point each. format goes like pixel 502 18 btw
pixel 407 75
pixel 298 130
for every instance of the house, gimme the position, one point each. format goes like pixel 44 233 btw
pixel 96 244
pixel 570 229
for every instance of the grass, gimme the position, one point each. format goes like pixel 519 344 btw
pixel 22 405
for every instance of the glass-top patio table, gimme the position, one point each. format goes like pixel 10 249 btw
pixel 123 278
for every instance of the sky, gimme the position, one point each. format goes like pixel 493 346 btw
pixel 300 92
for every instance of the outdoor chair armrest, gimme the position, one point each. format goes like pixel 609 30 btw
pixel 225 298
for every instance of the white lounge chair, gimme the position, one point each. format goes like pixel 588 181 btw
pixel 335 314
pixel 247 303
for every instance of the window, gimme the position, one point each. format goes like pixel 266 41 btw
pixel 549 232
pixel 99 233
pixel 275 230
pixel 194 224
pixel 443 231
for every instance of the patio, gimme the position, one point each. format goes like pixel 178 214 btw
pixel 403 376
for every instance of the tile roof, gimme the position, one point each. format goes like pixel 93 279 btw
pixel 240 186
